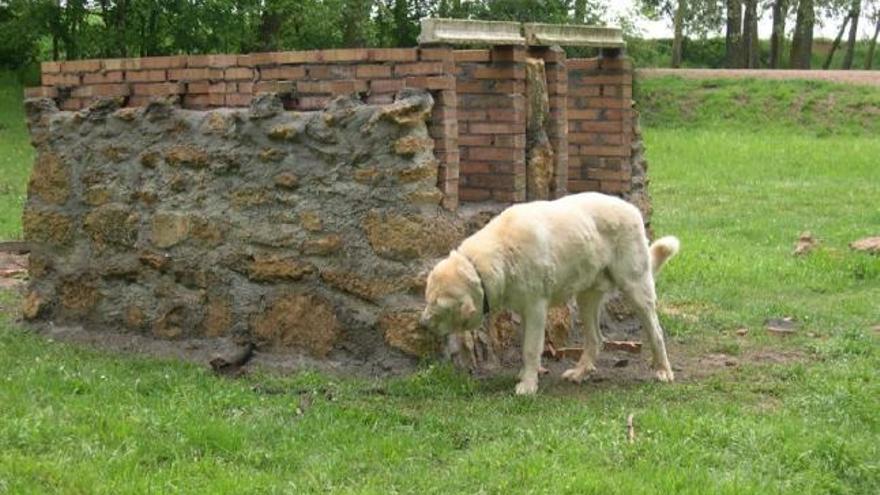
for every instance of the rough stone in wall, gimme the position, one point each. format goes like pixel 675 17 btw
pixel 539 152
pixel 638 193
pixel 304 232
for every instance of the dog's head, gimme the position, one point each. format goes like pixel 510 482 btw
pixel 454 295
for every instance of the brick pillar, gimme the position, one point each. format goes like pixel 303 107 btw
pixel 492 123
pixel 600 119
pixel 443 126
pixel 557 131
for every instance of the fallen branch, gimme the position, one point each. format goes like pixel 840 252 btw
pixel 231 365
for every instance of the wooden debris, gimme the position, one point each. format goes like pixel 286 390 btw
pixel 742 332
pixel 631 346
pixel 867 244
pixel 630 429
pixel 805 244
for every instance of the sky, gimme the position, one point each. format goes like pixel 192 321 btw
pixel 663 28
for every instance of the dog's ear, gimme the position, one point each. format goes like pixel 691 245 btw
pixel 468 309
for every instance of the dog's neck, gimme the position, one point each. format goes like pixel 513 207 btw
pixel 486 307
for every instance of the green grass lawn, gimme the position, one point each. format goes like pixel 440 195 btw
pixel 16 155
pixel 74 420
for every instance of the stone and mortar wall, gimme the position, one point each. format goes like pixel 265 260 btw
pixel 305 80
pixel 306 231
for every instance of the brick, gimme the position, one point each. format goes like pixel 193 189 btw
pixel 81 66
pixel 589 114
pixel 109 64
pixel 386 86
pixel 494 153
pixel 288 73
pixel 204 100
pixel 41 92
pixel 490 86
pixel 61 79
pixel 468 168
pixel 263 58
pixel 616 63
pixel 492 181
pixel 441 54
pixel 582 64
pixel 72 104
pixel 579 90
pixel 245 87
pixel 509 196
pixel 373 71
pixel 605 126
pixel 380 99
pixel 322 72
pixel 99 90
pixel 508 54
pixel 175 62
pixel 582 185
pixel 238 74
pixel 205 87
pixel 613 103
pixel 608 79
pixel 215 61
pixel 344 55
pixel 505 115
pixel 473 194
pixel 610 186
pixel 604 150
pixel 146 76
pixel 473 115
pixel 158 89
pixel 602 174
pixel 430 82
pixel 472 56
pixel 517 141
pixel 494 128
pixel 516 102
pixel 418 69
pixel 474 140
pixel 393 54
pixel 50 67
pixel 103 77
pixel 195 74
pixel 312 102
pixel 272 87
pixel 492 72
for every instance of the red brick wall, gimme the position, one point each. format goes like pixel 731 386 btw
pixel 600 120
pixel 492 123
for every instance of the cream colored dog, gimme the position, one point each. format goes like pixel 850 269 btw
pixel 534 255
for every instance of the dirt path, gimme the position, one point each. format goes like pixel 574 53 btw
pixel 858 77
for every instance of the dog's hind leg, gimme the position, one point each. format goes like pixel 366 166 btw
pixel 642 299
pixel 589 303
pixel 534 319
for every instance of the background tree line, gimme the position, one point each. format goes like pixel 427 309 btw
pixel 34 30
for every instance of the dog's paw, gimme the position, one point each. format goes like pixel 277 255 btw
pixel 665 376
pixel 576 375
pixel 527 387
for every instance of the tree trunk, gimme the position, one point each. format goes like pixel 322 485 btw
pixel 677 39
pixel 750 45
pixel 733 37
pixel 777 39
pixel 802 41
pixel 836 43
pixel 853 31
pixel 869 62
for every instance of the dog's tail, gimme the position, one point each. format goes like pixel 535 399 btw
pixel 662 250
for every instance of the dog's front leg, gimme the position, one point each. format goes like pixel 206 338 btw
pixel 534 319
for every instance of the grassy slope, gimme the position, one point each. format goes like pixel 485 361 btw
pixel 79 421
pixel 16 156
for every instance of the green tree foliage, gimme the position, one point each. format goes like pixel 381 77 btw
pixel 32 30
